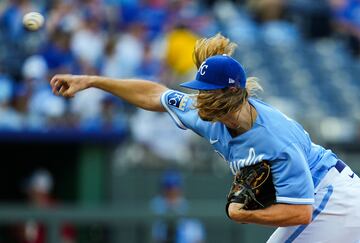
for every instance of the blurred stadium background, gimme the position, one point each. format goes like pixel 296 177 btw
pixel 95 169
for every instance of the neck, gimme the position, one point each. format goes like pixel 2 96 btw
pixel 240 121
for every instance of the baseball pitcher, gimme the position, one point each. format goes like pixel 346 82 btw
pixel 281 178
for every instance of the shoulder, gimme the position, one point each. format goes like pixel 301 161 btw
pixel 276 124
pixel 181 109
pixel 176 100
pixel 266 113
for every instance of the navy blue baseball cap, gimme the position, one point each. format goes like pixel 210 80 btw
pixel 218 72
pixel 171 179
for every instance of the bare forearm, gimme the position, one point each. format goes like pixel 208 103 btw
pixel 275 215
pixel 141 93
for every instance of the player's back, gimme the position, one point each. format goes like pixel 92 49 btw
pixel 283 131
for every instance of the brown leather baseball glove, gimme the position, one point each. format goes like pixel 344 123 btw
pixel 253 187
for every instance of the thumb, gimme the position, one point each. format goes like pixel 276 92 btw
pixel 70 92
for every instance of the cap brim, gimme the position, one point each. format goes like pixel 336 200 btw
pixel 198 85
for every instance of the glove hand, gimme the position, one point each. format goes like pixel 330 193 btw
pixel 252 188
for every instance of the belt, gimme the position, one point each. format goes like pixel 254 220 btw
pixel 340 166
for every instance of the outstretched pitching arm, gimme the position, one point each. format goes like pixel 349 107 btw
pixel 141 93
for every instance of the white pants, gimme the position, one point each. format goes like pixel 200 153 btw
pixel 336 215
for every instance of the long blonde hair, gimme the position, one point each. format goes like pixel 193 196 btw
pixel 213 105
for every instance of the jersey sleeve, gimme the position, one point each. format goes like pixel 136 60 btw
pixel 292 177
pixel 180 108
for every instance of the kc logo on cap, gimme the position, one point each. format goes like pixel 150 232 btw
pixel 202 68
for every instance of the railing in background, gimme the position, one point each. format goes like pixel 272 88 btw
pixel 222 229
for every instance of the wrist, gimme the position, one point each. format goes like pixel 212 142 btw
pixel 91 81
pixel 237 213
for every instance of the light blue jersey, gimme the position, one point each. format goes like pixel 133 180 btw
pixel 297 164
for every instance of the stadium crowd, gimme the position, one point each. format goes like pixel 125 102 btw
pixel 152 39
pixel 305 53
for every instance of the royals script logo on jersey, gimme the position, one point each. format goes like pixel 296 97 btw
pixel 252 158
pixel 177 100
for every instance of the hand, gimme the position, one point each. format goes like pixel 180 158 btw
pixel 236 212
pixel 68 85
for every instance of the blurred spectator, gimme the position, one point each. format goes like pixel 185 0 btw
pixel 267 10
pixel 123 56
pixel 87 105
pixel 89 52
pixel 109 119
pixel 38 189
pixel 150 67
pixel 110 62
pixel 276 29
pixel 171 202
pixel 43 108
pixel 10 118
pixel 178 55
pixel 347 22
pixel 154 39
pixel 154 14
pixel 312 17
pixel 58 54
pixel 158 134
pixel 63 16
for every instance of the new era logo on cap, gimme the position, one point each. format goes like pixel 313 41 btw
pixel 218 72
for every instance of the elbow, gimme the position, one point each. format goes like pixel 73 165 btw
pixel 155 108
pixel 306 216
pixel 302 216
pixel 152 104
pixel 294 215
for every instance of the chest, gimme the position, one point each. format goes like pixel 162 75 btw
pixel 244 153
